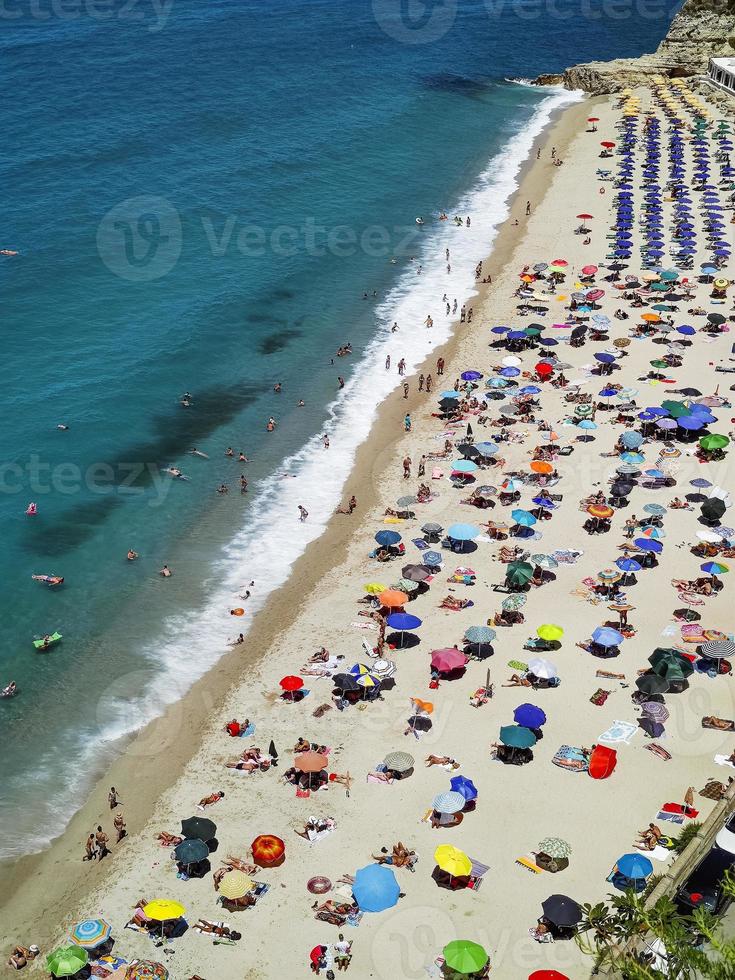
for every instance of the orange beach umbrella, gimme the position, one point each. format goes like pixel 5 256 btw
pixel 392 598
pixel 268 849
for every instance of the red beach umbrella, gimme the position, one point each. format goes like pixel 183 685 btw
pixel 593 119
pixel 543 369
pixel 607 144
pixel 548 974
pixel 268 850
pixel 589 270
pixel 585 217
pixel 292 683
pixel 448 659
pixel 561 262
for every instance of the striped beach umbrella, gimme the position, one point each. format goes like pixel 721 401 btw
pixel 450 802
pixel 717 649
pixel 399 761
pixel 235 884
pixel 90 933
pixel 544 561
pixel 146 970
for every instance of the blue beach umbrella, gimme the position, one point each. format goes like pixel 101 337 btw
pixel 606 636
pixel 628 565
pixel 523 517
pixel 691 422
pixel 432 558
pixel 464 786
pixel 462 532
pixel 487 448
pixel 636 458
pixel 631 440
pixel 604 358
pixel 517 736
pixel 646 544
pixel 509 372
pixel 387 538
pixel 544 502
pixel 375 888
pixel 403 621
pixel 529 716
pixel 463 466
pixel 634 866
pixel 471 375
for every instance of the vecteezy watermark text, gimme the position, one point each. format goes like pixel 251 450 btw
pixel 154 14
pixel 141 239
pixel 37 478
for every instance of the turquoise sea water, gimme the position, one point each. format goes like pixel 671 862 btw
pixel 200 194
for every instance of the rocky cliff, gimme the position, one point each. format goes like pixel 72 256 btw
pixel 701 30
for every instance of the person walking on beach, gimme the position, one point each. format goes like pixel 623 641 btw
pixel 401 367
pixel 422 379
pixel 325 440
pixel 120 827
pixel 428 321
pixel 303 513
pixel 429 384
pixel 387 362
pixel 407 422
pixel 462 314
pixel 90 849
pixel 112 798
pixel 528 207
pixel 101 840
pixel 440 365
pixel 405 389
pixel 422 466
pixel 406 467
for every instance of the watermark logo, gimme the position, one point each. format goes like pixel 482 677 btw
pixel 140 238
pixel 415 21
pixel 154 14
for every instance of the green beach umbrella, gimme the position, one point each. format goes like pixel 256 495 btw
pixel 67 961
pixel 555 847
pixel 713 441
pixel 675 409
pixel 658 364
pixel 519 572
pixel 464 956
pixel 517 737
pixel 550 632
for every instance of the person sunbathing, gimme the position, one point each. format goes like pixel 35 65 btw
pixel 343 778
pixel 320 657
pixel 700 586
pixel 22 956
pixel 338 908
pixel 515 680
pixel 211 799
pixel 449 602
pixel 722 724
pixel 302 745
pixel 678 504
pixel 244 902
pixel 216 929
pixel 168 840
pixel 648 838
pixel 441 760
pixel 401 857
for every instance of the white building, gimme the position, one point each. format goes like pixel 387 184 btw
pixel 722 73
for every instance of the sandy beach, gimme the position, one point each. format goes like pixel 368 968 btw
pixel 180 758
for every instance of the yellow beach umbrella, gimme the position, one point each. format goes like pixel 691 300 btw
pixel 550 632
pixel 375 588
pixel 452 860
pixel 235 884
pixel 163 909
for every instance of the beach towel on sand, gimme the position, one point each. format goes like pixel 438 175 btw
pixel 420 544
pixel 723 760
pixel 600 696
pixel 619 731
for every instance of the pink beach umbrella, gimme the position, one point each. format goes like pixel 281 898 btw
pixel 447 659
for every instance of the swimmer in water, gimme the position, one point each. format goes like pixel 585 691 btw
pixel 223 488
pixel 229 452
pixel 132 555
pixel 165 571
pixel 242 458
pixel 62 427
pixel 196 452
pixel 173 471
pixel 270 427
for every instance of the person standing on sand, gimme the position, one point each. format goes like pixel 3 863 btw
pixel 440 365
pixel 90 849
pixel 405 389
pixel 429 384
pixel 407 422
pixel 401 367
pixel 119 824
pixel 422 380
pixel 112 798
pixel 422 466
pixel 406 467
pixel 387 362
pixel 528 207
pixel 101 840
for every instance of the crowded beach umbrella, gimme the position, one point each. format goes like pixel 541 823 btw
pixel 448 659
pixel 713 441
pixel 714 568
pixel 451 802
pixel 452 860
pixel 146 970
pixel 67 961
pixel 235 884
pixel 606 636
pixel 465 786
pixel 463 956
pixel 399 761
pixel 200 828
pixel 163 910
pixel 529 716
pixel 90 933
pixel 513 603
pixel 479 634
pixel 634 866
pixel 463 532
pixel 310 761
pixel 190 851
pixel 518 572
pixel 550 632
pixel 291 683
pixel 544 669
pixel 517 736
pixel 562 911
pixel 717 649
pixel 655 711
pixel 543 561
pixel 647 544
pixel 387 538
pixel 392 599
pixel 523 518
pixel 555 847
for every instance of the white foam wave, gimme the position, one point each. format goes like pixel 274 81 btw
pixel 267 548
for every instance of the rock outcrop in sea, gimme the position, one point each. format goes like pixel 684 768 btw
pixel 702 29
